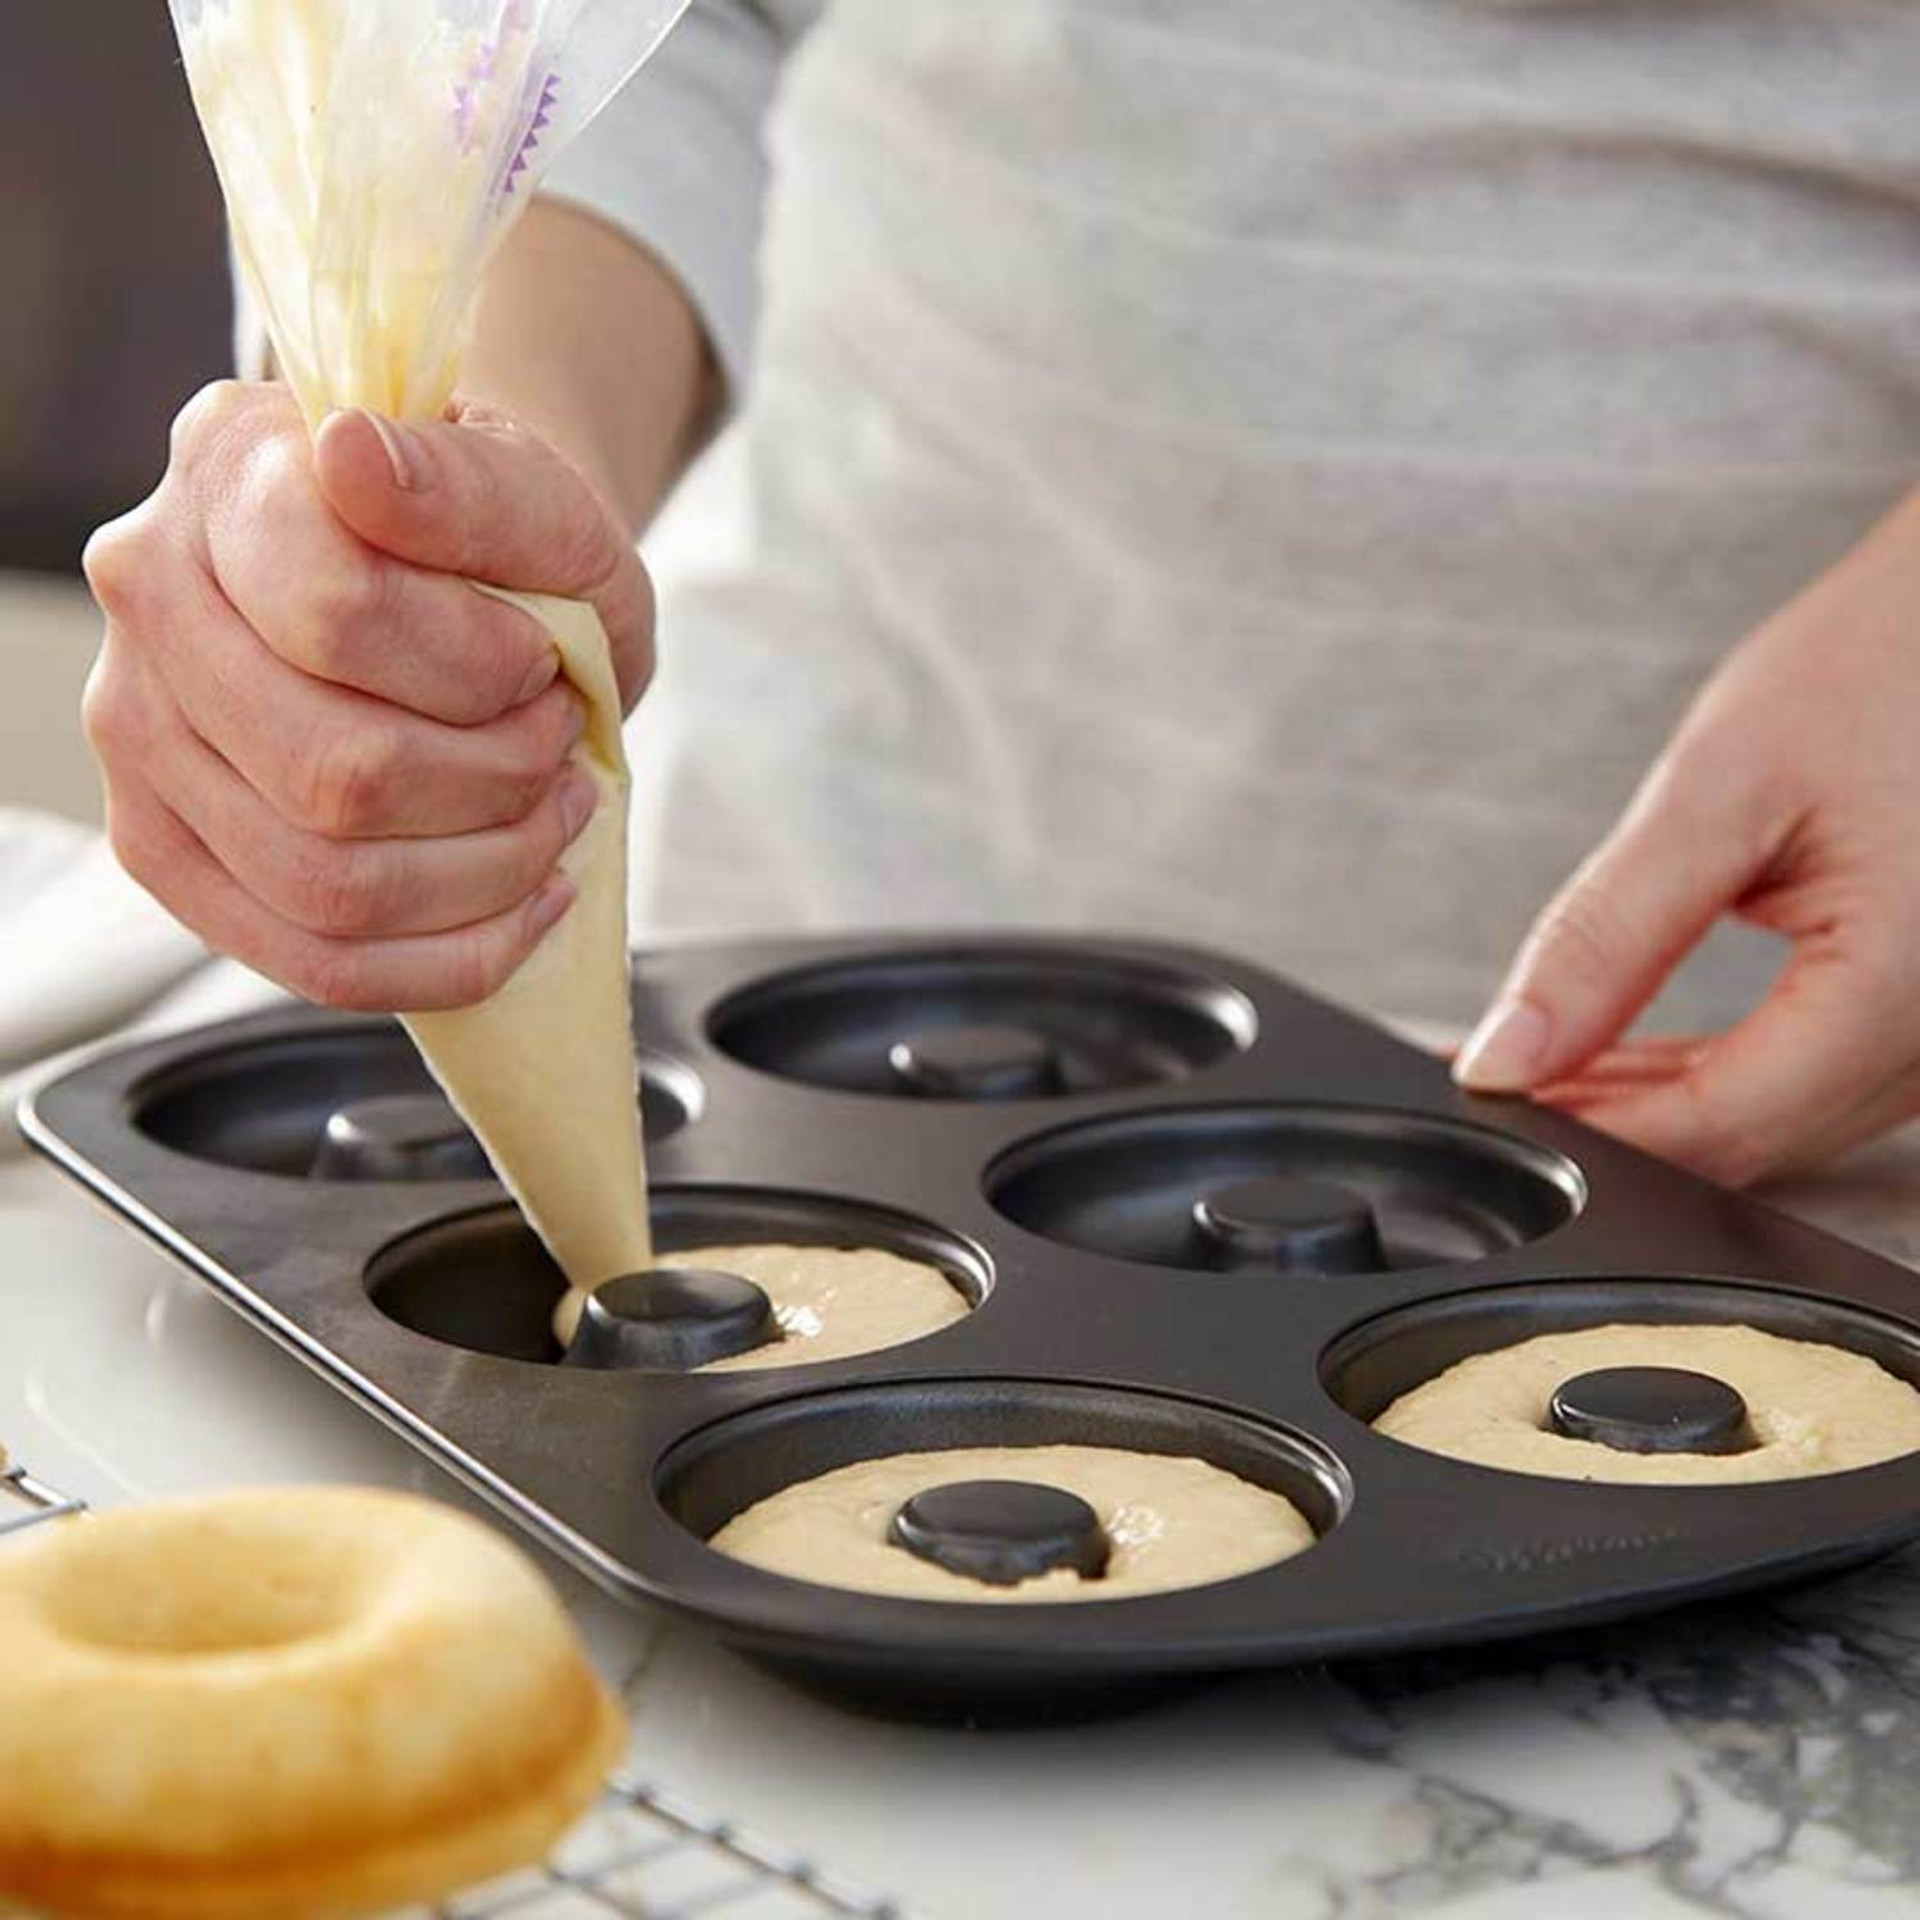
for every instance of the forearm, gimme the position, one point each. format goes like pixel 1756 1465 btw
pixel 583 335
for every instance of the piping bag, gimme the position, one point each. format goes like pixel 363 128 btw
pixel 372 153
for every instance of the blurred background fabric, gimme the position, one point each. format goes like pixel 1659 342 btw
pixel 115 308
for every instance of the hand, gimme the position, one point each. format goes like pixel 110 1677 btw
pixel 324 751
pixel 1790 796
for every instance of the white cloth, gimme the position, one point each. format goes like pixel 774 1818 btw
pixel 1265 471
pixel 85 948
pixel 88 956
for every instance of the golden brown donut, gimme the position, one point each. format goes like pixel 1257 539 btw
pixel 303 1702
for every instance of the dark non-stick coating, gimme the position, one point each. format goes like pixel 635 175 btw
pixel 1101 1313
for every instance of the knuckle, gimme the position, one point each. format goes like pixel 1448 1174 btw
pixel 1699 795
pixel 532 758
pixel 340 891
pixel 138 850
pixel 1578 934
pixel 1717 785
pixel 254 477
pixel 339 607
pixel 588 551
pixel 275 478
pixel 524 788
pixel 479 671
pixel 1722 1140
pixel 118 561
pixel 276 462
pixel 129 844
pixel 104 717
pixel 504 646
pixel 1690 780
pixel 346 784
pixel 485 499
pixel 233 422
pixel 334 974
pixel 208 412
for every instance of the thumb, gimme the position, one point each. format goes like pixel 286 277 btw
pixel 483 498
pixel 1601 947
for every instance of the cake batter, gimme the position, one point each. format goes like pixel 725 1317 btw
pixel 834 1301
pixel 830 1301
pixel 1171 1521
pixel 1813 1408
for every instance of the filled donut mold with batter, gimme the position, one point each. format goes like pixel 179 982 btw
pixel 1645 1382
pixel 1157 1202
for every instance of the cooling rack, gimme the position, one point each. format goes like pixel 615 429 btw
pixel 644 1853
pixel 649 1855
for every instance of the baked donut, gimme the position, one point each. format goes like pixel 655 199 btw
pixel 1168 1521
pixel 300 1702
pixel 1810 1408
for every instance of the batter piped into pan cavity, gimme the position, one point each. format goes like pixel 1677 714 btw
pixel 826 1303
pixel 371 157
pixel 1663 1405
pixel 1050 1523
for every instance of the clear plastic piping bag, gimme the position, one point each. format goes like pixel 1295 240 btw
pixel 372 153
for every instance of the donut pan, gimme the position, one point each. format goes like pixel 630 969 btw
pixel 1087 1136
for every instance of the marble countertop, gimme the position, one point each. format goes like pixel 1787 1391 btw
pixel 1758 1758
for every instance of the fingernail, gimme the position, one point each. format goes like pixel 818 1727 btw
pixel 551 902
pixel 576 722
pixel 579 798
pixel 540 676
pixel 412 470
pixel 1505 1050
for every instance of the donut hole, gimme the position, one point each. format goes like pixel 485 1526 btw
pixel 483 1282
pixel 201 1589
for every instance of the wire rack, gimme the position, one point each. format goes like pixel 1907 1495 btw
pixel 30 1501
pixel 643 1853
pixel 648 1855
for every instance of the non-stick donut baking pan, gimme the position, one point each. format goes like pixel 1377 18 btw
pixel 1194 1210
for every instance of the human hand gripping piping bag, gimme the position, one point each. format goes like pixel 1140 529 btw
pixel 372 153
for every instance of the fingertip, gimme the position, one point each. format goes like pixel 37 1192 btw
pixel 511 654
pixel 351 470
pixel 573 725
pixel 1508 1051
pixel 579 800
pixel 551 903
pixel 361 458
pixel 541 673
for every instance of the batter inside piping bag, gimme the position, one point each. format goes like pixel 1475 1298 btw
pixel 372 153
